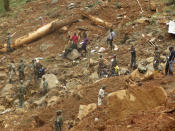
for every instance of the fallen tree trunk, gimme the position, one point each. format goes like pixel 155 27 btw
pixel 97 20
pixel 46 29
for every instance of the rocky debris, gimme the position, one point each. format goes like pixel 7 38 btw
pixel 38 122
pixel 84 110
pixel 73 55
pixel 2 108
pixel 93 62
pixel 40 102
pixel 153 5
pixel 52 81
pixel 54 1
pixel 94 76
pixel 72 83
pixel 124 71
pixel 52 101
pixel 142 20
pixel 149 60
pixel 71 6
pixel 125 102
pixel 7 91
pixel 137 76
pixel 3 75
pixel 45 46
pixel 142 69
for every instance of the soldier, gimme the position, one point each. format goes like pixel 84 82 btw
pixel 45 86
pixel 11 71
pixel 59 121
pixel 156 58
pixel 171 60
pixel 32 70
pixel 101 66
pixel 8 40
pixel 101 95
pixel 21 93
pixel 113 65
pixel 21 70
pixel 133 57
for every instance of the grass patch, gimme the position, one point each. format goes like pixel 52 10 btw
pixel 94 4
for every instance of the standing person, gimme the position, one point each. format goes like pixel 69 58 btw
pixel 101 95
pixel 21 93
pixel 111 38
pixel 84 44
pixel 75 40
pixel 101 67
pixel 21 69
pixel 156 58
pixel 171 60
pixel 45 86
pixel 31 67
pixel 167 66
pixel 59 121
pixel 113 65
pixel 8 40
pixel 11 71
pixel 133 57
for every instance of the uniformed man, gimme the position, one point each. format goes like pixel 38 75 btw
pixel 113 65
pixel 32 70
pixel 11 71
pixel 45 86
pixel 101 67
pixel 133 57
pixel 21 70
pixel 101 95
pixel 59 121
pixel 156 58
pixel 21 93
pixel 8 40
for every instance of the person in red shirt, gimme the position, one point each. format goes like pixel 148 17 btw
pixel 75 39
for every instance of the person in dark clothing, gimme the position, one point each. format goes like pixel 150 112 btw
pixel 171 60
pixel 133 57
pixel 113 65
pixel 84 44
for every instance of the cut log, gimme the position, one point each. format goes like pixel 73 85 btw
pixel 97 20
pixel 46 29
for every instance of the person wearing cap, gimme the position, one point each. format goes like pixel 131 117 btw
pixel 11 71
pixel 156 58
pixel 59 121
pixel 171 60
pixel 101 95
pixel 45 86
pixel 133 57
pixel 21 93
pixel 21 69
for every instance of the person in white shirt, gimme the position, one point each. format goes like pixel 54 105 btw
pixel 111 37
pixel 101 95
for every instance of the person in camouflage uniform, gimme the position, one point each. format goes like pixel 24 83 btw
pixel 113 65
pixel 59 121
pixel 101 66
pixel 45 86
pixel 8 40
pixel 32 70
pixel 156 58
pixel 21 69
pixel 11 71
pixel 21 93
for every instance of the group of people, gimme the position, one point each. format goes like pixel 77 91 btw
pixel 73 44
pixel 36 70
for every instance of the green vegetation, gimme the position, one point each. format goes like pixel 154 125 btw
pixel 94 4
pixel 117 5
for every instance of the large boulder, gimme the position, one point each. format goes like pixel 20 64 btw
pixel 122 103
pixel 40 102
pixel 73 55
pixel 84 110
pixel 3 75
pixel 52 81
pixel 7 91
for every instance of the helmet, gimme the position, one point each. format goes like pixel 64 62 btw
pixel 59 111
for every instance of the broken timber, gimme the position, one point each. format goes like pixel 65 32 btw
pixel 97 20
pixel 44 30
